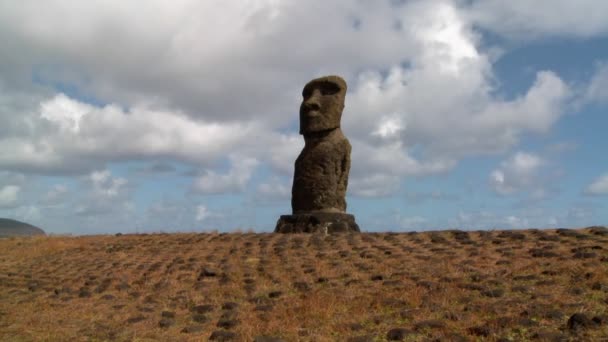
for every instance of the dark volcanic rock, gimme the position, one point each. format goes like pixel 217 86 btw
pixel 207 272
pixel 229 306
pixel 321 170
pixel 167 314
pixel 430 324
pixel 579 321
pixel 191 329
pixel 301 286
pixel 135 319
pixel 201 309
pixel 166 322
pixel 397 334
pixel 221 335
pixel 318 194
pixel 480 330
pixel 267 339
pixel 227 323
pixel 199 318
pixel 320 222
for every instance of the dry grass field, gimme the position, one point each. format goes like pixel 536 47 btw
pixel 544 285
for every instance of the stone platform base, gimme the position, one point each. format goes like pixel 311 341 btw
pixel 317 223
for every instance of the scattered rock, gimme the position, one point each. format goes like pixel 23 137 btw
pixel 398 334
pixel 542 253
pixel 199 318
pixel 598 230
pixel 166 322
pixel 275 294
pixel 267 339
pixel 301 286
pixel 579 321
pixel 207 272
pixel 201 309
pixel 584 255
pixel 192 329
pixel 84 293
pixel 167 314
pixel 221 335
pixel 429 324
pixel 122 286
pixel 227 323
pixel 354 326
pixel 555 315
pixel 230 306
pixel 480 330
pixel 426 284
pixel 600 320
pixel 135 319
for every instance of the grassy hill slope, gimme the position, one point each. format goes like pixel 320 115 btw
pixel 519 285
pixel 10 227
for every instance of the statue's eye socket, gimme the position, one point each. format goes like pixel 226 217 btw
pixel 324 88
pixel 306 92
pixel 329 88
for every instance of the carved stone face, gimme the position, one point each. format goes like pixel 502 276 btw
pixel 322 104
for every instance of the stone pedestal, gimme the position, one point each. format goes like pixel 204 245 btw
pixel 317 223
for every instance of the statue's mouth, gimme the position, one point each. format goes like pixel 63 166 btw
pixel 312 113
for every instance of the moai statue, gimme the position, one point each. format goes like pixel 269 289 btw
pixel 321 170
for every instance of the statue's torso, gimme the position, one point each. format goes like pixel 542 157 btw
pixel 321 175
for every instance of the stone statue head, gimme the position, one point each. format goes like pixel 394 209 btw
pixel 322 104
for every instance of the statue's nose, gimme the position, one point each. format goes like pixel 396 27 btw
pixel 312 103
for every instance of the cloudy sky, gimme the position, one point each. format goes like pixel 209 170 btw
pixel 120 116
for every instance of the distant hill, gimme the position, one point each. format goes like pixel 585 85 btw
pixel 10 227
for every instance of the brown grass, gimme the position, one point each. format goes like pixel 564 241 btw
pixel 439 286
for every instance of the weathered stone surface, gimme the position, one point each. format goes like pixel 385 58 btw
pixel 321 170
pixel 319 222
pixel 321 173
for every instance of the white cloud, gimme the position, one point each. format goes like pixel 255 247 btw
pixel 106 186
pixel 528 217
pixel 484 219
pixel 599 186
pixel 65 112
pixel 436 195
pixel 520 172
pixel 28 213
pixel 56 195
pixel 235 180
pixel 202 213
pixel 389 127
pixel 9 195
pixel 413 223
pixel 597 91
pixel 436 96
pixel 274 189
pixel 524 19
pixel 89 136
pixel 103 195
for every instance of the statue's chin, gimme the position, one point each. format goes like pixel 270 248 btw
pixel 317 130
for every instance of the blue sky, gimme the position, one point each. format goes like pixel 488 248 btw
pixel 182 116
